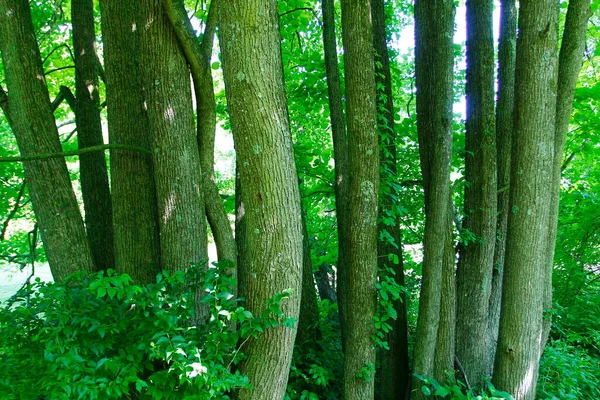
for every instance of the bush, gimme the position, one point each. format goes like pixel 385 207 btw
pixel 103 337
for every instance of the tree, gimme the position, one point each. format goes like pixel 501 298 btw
pixel 135 213
pixel 33 124
pixel 363 156
pixel 394 362
pixel 270 251
pixel 92 166
pixel 474 277
pixel 518 350
pixel 434 56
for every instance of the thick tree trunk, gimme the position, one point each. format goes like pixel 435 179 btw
pixel 363 151
pixel 434 25
pixel 504 131
pixel 135 215
pixel 54 202
pixel 474 277
pixel 177 174
pixel 518 352
pixel 394 372
pixel 198 55
pixel 92 167
pixel 270 251
pixel 569 65
pixel 340 149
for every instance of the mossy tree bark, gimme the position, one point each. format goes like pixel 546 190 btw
pixel 394 372
pixel 363 156
pixel 569 64
pixel 270 250
pixel 507 49
pixel 135 215
pixel 518 351
pixel 177 174
pixel 198 55
pixel 33 124
pixel 92 167
pixel 474 276
pixel 434 25
pixel 340 149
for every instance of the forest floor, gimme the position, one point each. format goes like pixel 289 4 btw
pixel 11 278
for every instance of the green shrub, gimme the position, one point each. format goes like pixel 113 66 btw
pixel 103 337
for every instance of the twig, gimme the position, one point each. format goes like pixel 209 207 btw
pixel 12 212
pixel 462 371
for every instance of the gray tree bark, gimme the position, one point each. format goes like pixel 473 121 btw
pixel 434 25
pixel 92 167
pixel 135 214
pixel 33 124
pixel 518 351
pixel 474 277
pixel 270 250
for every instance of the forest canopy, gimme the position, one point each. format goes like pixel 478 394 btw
pixel 300 199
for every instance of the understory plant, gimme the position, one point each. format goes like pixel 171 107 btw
pixel 101 336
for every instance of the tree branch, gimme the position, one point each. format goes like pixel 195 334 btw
pixel 76 152
pixel 13 212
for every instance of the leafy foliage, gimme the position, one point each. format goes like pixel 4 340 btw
pixel 103 337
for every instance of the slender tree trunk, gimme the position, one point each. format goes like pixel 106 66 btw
pixel 569 65
pixel 518 352
pixel 92 167
pixel 474 278
pixel 504 132
pixel 363 151
pixel 52 195
pixel 394 362
pixel 198 55
pixel 135 215
pixel 446 338
pixel 270 251
pixel 324 284
pixel 177 174
pixel 308 323
pixel 434 25
pixel 340 149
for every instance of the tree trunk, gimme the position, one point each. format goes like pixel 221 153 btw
pixel 504 130
pixel 363 151
pixel 168 106
pixel 308 322
pixel 198 55
pixel 340 149
pixel 434 25
pixel 446 338
pixel 92 167
pixel 135 215
pixel 394 372
pixel 52 195
pixel 270 251
pixel 518 352
pixel 474 277
pixel 569 65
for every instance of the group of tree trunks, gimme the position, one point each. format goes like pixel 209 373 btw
pixel 488 318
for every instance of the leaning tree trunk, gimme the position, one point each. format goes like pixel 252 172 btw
pixel 434 58
pixel 474 277
pixel 135 216
pixel 569 65
pixel 168 106
pixel 340 149
pixel 363 151
pixel 52 195
pixel 394 372
pixel 504 130
pixel 92 166
pixel 518 351
pixel 270 251
pixel 198 55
